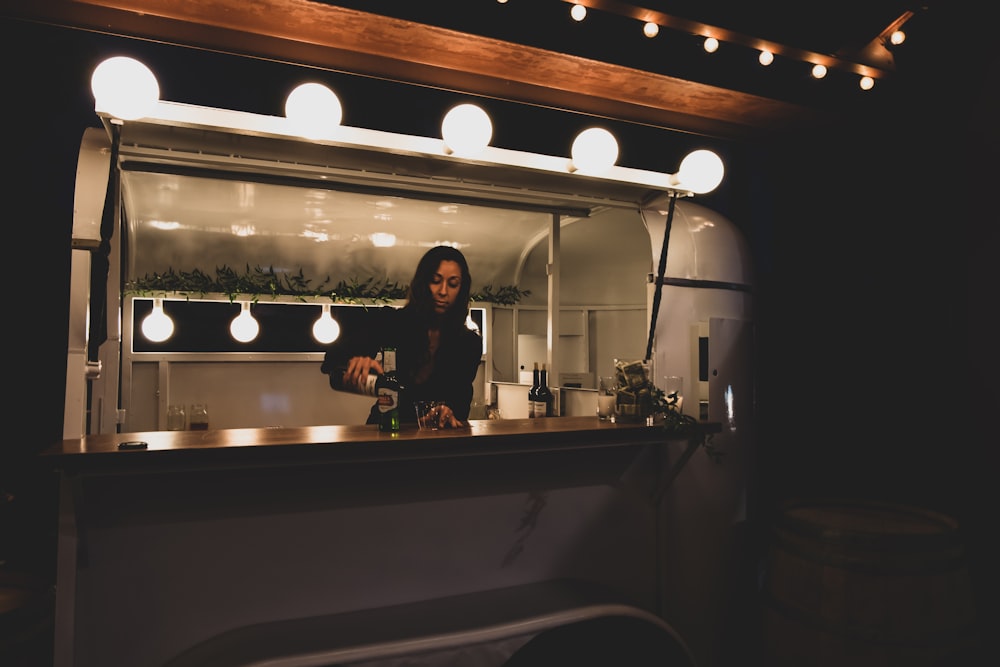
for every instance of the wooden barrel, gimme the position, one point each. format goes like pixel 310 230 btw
pixel 866 584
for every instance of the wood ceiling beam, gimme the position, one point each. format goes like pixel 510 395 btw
pixel 338 39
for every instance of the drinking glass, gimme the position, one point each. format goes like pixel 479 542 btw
pixel 607 391
pixel 427 414
pixel 673 392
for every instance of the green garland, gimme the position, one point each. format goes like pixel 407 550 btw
pixel 259 282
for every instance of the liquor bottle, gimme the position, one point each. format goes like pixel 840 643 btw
pixel 387 392
pixel 533 392
pixel 367 388
pixel 545 399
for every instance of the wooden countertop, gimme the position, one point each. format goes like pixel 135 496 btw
pixel 271 446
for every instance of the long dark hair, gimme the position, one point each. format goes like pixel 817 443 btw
pixel 419 298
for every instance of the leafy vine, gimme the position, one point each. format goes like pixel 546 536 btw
pixel 257 281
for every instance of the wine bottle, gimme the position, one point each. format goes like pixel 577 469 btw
pixel 545 399
pixel 533 392
pixel 387 391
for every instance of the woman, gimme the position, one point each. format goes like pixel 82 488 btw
pixel 437 356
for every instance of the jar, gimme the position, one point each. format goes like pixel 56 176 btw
pixel 198 419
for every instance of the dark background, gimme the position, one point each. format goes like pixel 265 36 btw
pixel 875 245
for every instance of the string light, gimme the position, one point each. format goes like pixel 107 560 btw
pixel 157 326
pixel 244 327
pixel 765 56
pixel 325 330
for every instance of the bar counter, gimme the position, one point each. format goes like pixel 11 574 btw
pixel 203 534
pixel 343 443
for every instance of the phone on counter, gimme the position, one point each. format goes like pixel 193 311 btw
pixel 133 444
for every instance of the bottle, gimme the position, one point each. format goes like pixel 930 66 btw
pixel 533 392
pixel 545 399
pixel 368 388
pixel 387 392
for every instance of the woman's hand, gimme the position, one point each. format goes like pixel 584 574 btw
pixel 358 370
pixel 444 417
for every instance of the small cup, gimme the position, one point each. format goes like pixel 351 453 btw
pixel 427 415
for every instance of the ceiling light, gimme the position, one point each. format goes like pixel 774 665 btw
pixel 711 44
pixel 578 12
pixel 818 71
pixel 594 151
pixel 244 327
pixel 466 130
pixel 650 30
pixel 314 111
pixel 124 88
pixel 765 58
pixel 382 239
pixel 866 83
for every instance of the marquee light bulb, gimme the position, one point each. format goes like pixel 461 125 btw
pixel 866 83
pixel 765 58
pixel 700 172
pixel 314 111
pixel 124 88
pixel 594 151
pixel 818 71
pixel 244 327
pixel 711 44
pixel 466 130
pixel 578 12
pixel 650 30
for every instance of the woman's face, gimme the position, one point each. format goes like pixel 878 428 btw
pixel 445 285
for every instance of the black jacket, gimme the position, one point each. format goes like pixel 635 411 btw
pixel 455 364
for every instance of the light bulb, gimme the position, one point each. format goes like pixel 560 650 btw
pixel 157 326
pixel 578 12
pixel 701 171
pixel 125 88
pixel 711 44
pixel 650 30
pixel 244 327
pixel 466 130
pixel 818 71
pixel 897 37
pixel 594 151
pixel 314 111
pixel 866 83
pixel 765 58
pixel 325 329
